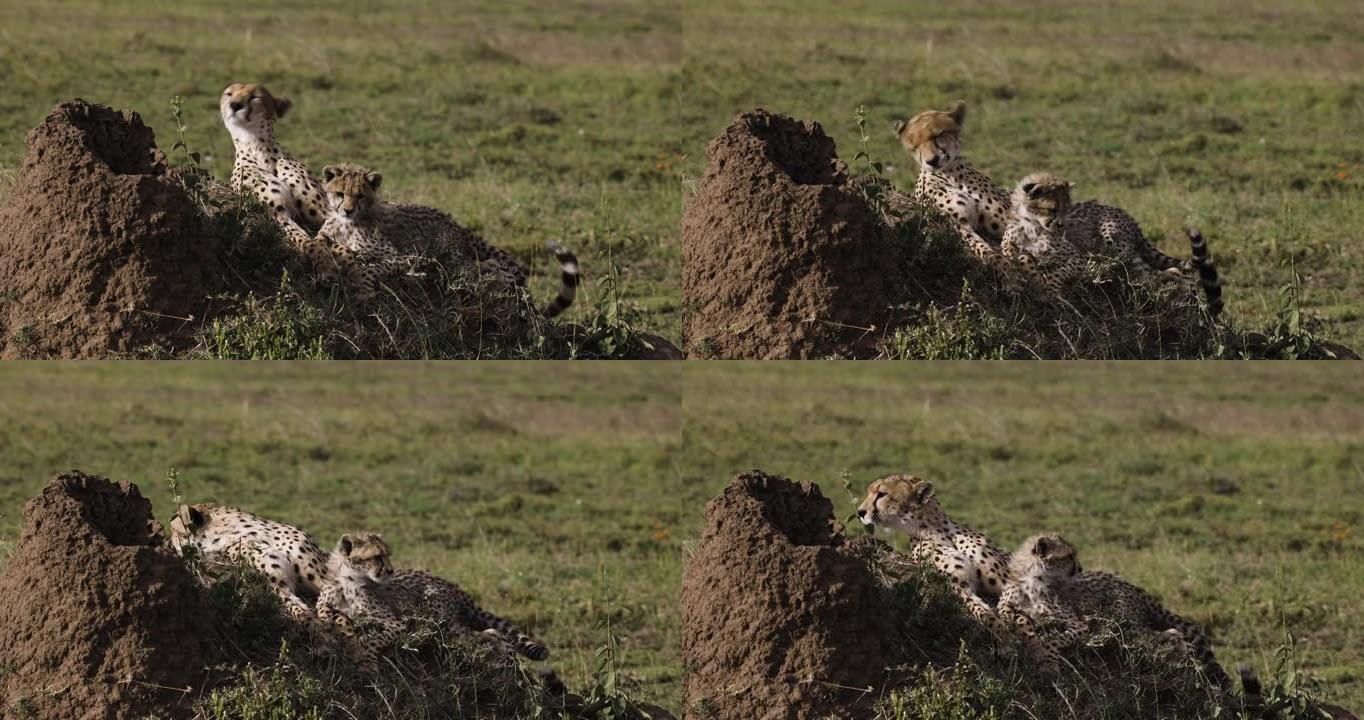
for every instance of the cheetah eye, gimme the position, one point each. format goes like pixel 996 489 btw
pixel 880 494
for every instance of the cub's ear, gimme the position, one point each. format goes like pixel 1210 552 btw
pixel 1028 188
pixel 282 106
pixel 923 491
pixel 899 127
pixel 330 172
pixel 1041 547
pixel 375 180
pixel 346 545
pixel 958 112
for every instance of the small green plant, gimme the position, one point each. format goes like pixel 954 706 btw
pixel 876 167
pixel 610 331
pixel 1289 696
pixel 1292 336
pixel 177 108
pixel 854 499
pixel 608 697
pixel 173 484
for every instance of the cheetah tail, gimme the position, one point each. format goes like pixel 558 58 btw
pixel 520 641
pixel 480 619
pixel 1207 272
pixel 568 264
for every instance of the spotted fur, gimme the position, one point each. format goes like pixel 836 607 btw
pixel 372 238
pixel 1039 257
pixel 1050 598
pixel 288 556
pixel 263 170
pixel 977 206
pixel 977 568
pixel 1106 230
pixel 372 603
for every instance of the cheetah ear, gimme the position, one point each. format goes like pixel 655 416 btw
pixel 958 112
pixel 190 517
pixel 923 492
pixel 1041 547
pixel 346 545
pixel 330 172
pixel 282 106
pixel 899 127
pixel 1028 188
pixel 375 180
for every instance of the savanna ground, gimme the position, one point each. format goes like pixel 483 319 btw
pixel 1240 118
pixel 550 496
pixel 1227 495
pixel 527 121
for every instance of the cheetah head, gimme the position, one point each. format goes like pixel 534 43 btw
pixel 351 190
pixel 902 502
pixel 1042 196
pixel 1045 557
pixel 249 110
pixel 188 521
pixel 932 137
pixel 365 558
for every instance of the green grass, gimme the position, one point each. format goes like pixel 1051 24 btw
pixel 525 121
pixel 546 491
pixel 1240 118
pixel 1228 494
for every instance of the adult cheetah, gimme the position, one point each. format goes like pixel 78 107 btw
pixel 263 170
pixel 977 568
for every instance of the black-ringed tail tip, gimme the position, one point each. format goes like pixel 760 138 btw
pixel 1207 271
pixel 569 276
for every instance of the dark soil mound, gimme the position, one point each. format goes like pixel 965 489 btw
pixel 101 249
pixel 779 618
pixel 98 618
pixel 781 256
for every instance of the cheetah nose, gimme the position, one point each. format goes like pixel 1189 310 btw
pixel 235 106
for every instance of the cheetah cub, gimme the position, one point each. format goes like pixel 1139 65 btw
pixel 1049 599
pixel 373 238
pixel 1039 256
pixel 288 556
pixel 978 570
pixel 367 593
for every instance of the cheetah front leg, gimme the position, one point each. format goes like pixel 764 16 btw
pixel 282 579
pixel 981 249
pixel 954 566
pixel 315 250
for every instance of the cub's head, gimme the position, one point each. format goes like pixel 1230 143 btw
pixel 1042 196
pixel 351 190
pixel 1044 557
pixel 249 110
pixel 933 137
pixel 364 558
pixel 184 527
pixel 902 502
